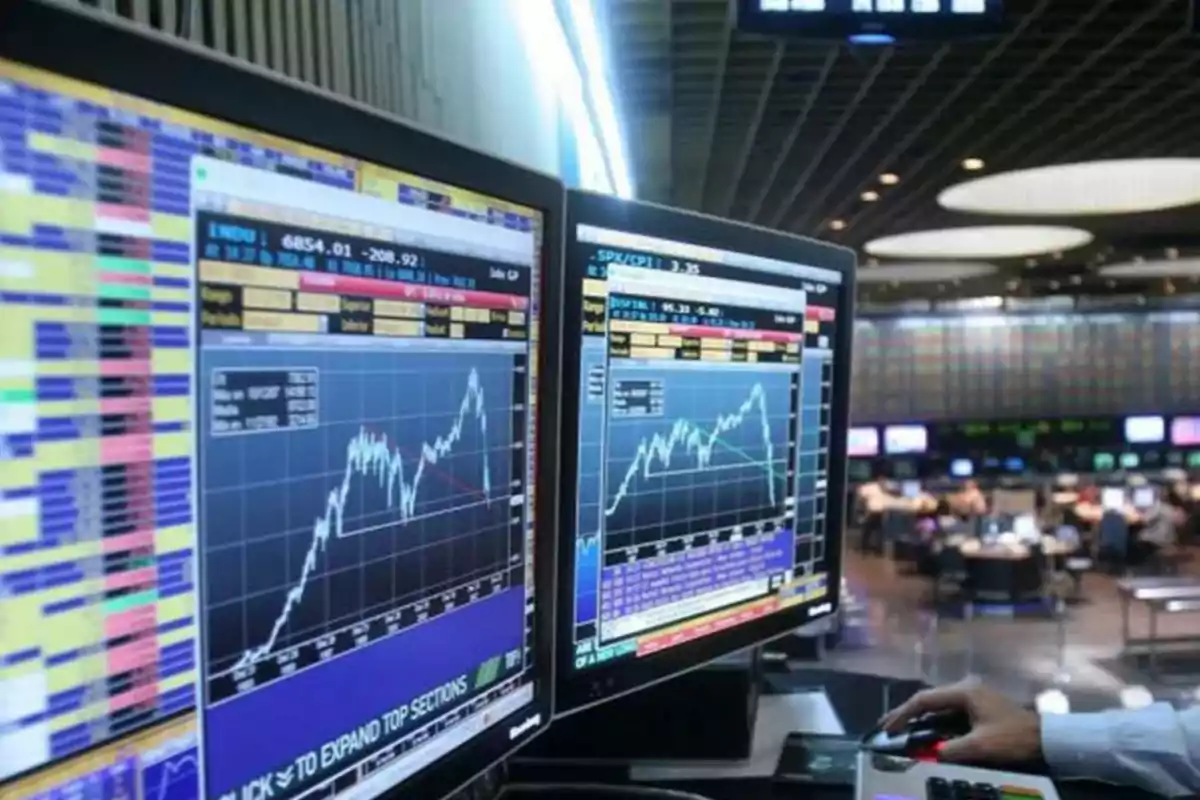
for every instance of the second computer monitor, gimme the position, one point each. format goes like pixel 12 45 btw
pixel 706 462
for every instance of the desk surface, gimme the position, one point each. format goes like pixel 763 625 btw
pixel 1163 588
pixel 972 547
pixel 857 699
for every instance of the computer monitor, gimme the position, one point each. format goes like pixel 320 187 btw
pixel 1130 461
pixel 1026 528
pixel 707 417
pixel 1104 462
pixel 1145 497
pixel 962 468
pixel 863 443
pixel 268 467
pixel 1185 431
pixel 1112 498
pixel 905 439
pixel 1014 465
pixel 1145 430
pixel 910 489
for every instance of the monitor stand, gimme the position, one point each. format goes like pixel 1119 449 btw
pixel 706 714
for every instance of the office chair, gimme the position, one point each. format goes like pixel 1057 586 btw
pixel 952 576
pixel 1113 541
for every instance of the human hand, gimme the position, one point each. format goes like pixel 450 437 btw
pixel 1001 731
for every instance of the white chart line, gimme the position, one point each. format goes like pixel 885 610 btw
pixel 696 441
pixel 417 518
pixel 371 454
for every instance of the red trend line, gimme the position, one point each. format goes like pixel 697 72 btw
pixel 441 473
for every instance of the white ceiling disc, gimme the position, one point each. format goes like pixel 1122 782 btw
pixel 925 272
pixel 1183 267
pixel 986 241
pixel 1123 186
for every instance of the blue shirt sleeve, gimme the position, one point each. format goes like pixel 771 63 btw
pixel 1156 748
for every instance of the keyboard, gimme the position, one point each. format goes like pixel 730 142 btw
pixel 887 777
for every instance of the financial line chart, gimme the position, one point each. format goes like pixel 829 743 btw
pixel 368 455
pixel 699 441
pixel 718 455
pixel 393 509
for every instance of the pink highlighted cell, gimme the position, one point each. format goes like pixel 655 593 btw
pixel 128 213
pixel 127 449
pixel 140 653
pixel 134 697
pixel 123 158
pixel 114 367
pixel 132 621
pixel 126 278
pixel 416 292
pixel 138 540
pixel 126 405
pixel 134 577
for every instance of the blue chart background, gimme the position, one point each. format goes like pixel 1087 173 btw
pixel 262 493
pixel 735 487
pixel 173 778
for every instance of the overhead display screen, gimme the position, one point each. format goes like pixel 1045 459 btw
pixel 920 18
pixel 863 442
pixel 1030 367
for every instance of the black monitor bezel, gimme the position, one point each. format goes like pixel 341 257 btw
pixel 82 44
pixel 576 690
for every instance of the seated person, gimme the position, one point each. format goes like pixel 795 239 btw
pixel 1156 749
pixel 1160 532
pixel 969 501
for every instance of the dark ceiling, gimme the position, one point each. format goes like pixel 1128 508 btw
pixel 789 134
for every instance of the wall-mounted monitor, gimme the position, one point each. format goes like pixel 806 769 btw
pixel 905 439
pixel 962 468
pixel 1130 461
pixel 1193 460
pixel 1185 431
pixel 863 443
pixel 1145 430
pixel 1104 462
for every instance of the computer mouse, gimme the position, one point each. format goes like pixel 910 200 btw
pixel 921 737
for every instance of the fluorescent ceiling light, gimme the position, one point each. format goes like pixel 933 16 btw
pixel 988 241
pixel 973 164
pixel 1095 187
pixel 584 18
pixel 1183 267
pixel 925 272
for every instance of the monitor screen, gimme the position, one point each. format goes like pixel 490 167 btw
pixel 1145 497
pixel 863 443
pixel 1015 465
pixel 962 468
pixel 710 430
pixel 1104 462
pixel 901 439
pixel 1185 431
pixel 1193 460
pixel 1112 498
pixel 910 489
pixel 859 471
pixel 267 467
pixel 1144 430
pixel 1130 461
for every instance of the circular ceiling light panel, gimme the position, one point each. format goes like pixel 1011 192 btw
pixel 1178 268
pixel 1124 186
pixel 925 272
pixel 988 241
